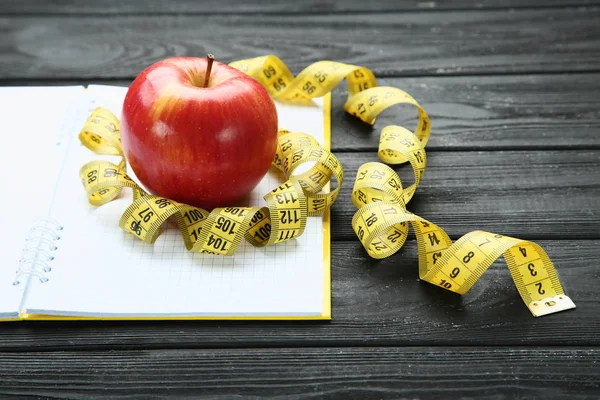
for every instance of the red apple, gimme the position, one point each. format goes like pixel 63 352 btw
pixel 204 144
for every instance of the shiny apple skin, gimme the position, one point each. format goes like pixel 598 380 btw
pixel 207 147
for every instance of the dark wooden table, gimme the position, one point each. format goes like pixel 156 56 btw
pixel 511 86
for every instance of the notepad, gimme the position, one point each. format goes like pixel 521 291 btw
pixel 65 259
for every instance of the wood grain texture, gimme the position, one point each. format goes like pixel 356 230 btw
pixel 479 42
pixel 467 113
pixel 375 303
pixel 527 194
pixel 487 112
pixel 257 6
pixel 515 153
pixel 307 373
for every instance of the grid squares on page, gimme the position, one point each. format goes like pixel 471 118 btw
pixel 249 264
pixel 167 267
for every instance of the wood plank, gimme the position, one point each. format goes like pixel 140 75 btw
pixel 468 113
pixel 258 6
pixel 487 112
pixel 434 372
pixel 375 303
pixel 526 194
pixel 392 44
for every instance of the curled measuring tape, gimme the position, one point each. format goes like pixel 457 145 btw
pixel 222 230
pixel 381 222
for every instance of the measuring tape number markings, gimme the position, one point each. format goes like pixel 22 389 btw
pixel 381 221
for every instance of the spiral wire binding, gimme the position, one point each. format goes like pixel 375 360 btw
pixel 36 256
pixel 40 243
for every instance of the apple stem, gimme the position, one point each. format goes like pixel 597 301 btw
pixel 209 58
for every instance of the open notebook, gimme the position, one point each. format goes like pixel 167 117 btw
pixel 99 271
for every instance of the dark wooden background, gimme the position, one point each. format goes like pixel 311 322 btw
pixel 511 86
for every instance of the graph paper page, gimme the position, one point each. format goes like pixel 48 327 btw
pixel 100 270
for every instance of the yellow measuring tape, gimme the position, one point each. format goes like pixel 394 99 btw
pixel 381 222
pixel 222 230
